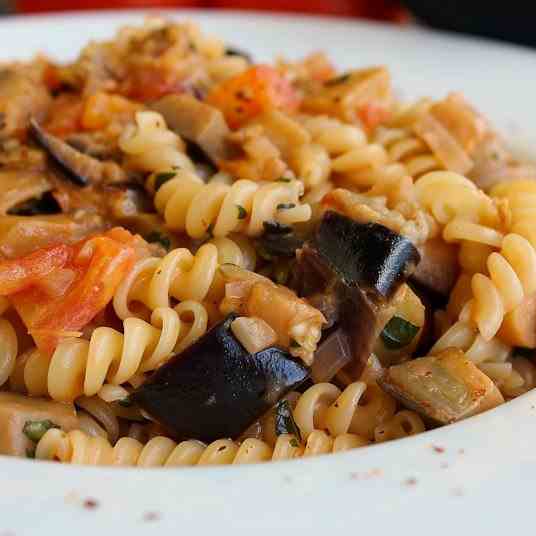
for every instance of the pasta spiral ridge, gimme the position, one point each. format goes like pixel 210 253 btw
pixel 78 448
pixel 81 367
pixel 359 163
pixel 8 350
pixel 189 205
pixel 151 146
pixel 181 275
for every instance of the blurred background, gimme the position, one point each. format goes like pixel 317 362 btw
pixel 512 21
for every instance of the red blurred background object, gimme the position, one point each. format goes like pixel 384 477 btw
pixel 374 9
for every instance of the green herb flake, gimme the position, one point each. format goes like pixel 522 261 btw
pixel 30 452
pixel 125 402
pixel 35 430
pixel 294 443
pixel 162 178
pixel 242 212
pixel 338 80
pixel 398 333
pixel 284 179
pixel 162 239
pixel 284 421
pixel 286 206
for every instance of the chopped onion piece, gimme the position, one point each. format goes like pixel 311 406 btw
pixel 253 333
pixel 332 355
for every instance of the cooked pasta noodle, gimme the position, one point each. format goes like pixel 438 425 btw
pixel 190 206
pixel 78 448
pixel 8 350
pixel 182 276
pixel 403 424
pixel 151 146
pixel 81 367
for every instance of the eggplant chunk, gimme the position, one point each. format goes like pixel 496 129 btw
pixel 197 122
pixel 81 169
pixel 351 272
pixel 368 255
pixel 444 388
pixel 215 388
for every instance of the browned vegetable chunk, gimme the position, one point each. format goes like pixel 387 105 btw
pixel 438 269
pixel 17 410
pixel 198 122
pixel 444 388
pixel 20 99
pixel 19 186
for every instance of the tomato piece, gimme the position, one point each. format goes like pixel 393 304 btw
pixel 56 299
pixel 251 93
pixel 19 274
pixel 64 115
pixel 151 84
pixel 373 114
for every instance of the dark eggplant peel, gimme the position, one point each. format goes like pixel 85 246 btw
pixel 351 272
pixel 215 388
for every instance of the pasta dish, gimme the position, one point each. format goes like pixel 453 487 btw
pixel 205 260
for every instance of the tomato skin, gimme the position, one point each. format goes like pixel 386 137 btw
pixel 18 274
pixel 95 268
pixel 251 93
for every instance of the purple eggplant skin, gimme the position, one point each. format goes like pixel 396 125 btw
pixel 350 271
pixel 215 388
pixel 368 255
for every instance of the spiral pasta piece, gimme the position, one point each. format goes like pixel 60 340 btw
pixel 78 448
pixel 357 410
pixel 191 206
pixel 447 196
pixel 182 275
pixel 80 367
pixel 151 146
pixel 406 148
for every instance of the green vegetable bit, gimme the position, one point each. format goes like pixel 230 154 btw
pixel 125 402
pixel 162 178
pixel 398 333
pixel 284 179
pixel 164 240
pixel 294 443
pixel 242 212
pixel 284 421
pixel 30 452
pixel 35 430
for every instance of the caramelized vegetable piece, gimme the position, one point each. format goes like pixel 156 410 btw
pixel 444 388
pixel 364 95
pixel 438 269
pixel 197 122
pixel 352 272
pixel 215 388
pixel 519 326
pixel 251 93
pixel 81 169
pixel 20 417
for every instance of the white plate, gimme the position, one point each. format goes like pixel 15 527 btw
pixel 471 478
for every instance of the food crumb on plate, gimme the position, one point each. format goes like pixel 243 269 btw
pixel 91 504
pixel 439 450
pixel 151 516
pixel 412 481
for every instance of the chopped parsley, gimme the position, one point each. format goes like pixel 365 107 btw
pixel 162 239
pixel 35 430
pixel 242 212
pixel 161 178
pixel 284 179
pixel 284 421
pixel 398 333
pixel 125 402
